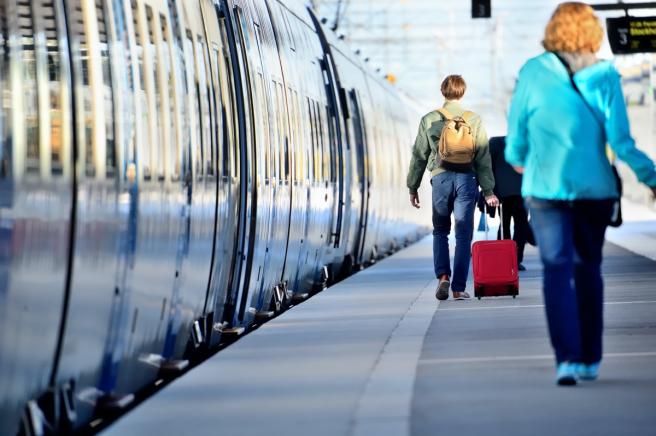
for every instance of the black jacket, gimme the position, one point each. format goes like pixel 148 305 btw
pixel 507 181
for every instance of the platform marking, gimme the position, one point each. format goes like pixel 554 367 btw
pixel 608 303
pixel 384 407
pixel 523 358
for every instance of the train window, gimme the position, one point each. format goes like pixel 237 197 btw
pixel 54 91
pixel 310 142
pixel 262 125
pixel 298 141
pixel 85 135
pixel 323 143
pixel 206 93
pixel 167 103
pixel 194 109
pixel 143 130
pixel 284 131
pixel 222 144
pixel 156 122
pixel 316 145
pixel 30 96
pixel 277 130
pixel 228 93
pixel 108 96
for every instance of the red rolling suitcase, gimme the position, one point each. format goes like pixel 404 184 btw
pixel 496 272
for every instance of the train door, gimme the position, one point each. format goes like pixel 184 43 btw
pixel 196 148
pixel 157 204
pixel 362 169
pixel 36 198
pixel 232 16
pixel 227 199
pixel 271 289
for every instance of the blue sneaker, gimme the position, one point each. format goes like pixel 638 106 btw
pixel 588 372
pixel 567 374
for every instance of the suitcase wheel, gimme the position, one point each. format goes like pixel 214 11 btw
pixel 479 298
pixel 514 296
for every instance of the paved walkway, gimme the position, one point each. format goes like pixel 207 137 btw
pixel 377 355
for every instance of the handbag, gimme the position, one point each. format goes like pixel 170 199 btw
pixel 616 215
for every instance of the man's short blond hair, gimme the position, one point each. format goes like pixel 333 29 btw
pixel 574 28
pixel 453 87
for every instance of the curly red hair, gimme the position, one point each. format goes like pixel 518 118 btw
pixel 573 27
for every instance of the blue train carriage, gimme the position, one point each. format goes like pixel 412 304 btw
pixel 170 174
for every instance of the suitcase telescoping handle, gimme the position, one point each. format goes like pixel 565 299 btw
pixel 487 227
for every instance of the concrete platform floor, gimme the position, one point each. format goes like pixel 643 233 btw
pixel 377 355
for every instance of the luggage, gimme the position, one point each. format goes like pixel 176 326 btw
pixel 457 147
pixel 496 272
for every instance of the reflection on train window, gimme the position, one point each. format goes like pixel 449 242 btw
pixel 332 142
pixel 206 93
pixel 194 109
pixel 143 127
pixel 154 117
pixel 170 122
pixel 54 89
pixel 228 94
pixel 31 101
pixel 86 134
pixel 262 125
pixel 276 128
pixel 110 146
pixel 221 142
pixel 323 148
pixel 168 155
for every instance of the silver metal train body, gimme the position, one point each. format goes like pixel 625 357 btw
pixel 172 172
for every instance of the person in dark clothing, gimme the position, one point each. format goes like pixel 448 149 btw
pixel 508 189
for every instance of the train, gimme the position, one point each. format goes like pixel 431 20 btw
pixel 173 173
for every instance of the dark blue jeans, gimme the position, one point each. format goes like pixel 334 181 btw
pixel 453 193
pixel 570 236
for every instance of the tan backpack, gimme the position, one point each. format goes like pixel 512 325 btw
pixel 456 146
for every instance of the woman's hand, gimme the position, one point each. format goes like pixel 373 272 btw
pixel 520 170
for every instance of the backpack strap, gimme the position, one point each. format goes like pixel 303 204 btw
pixel 467 115
pixel 445 113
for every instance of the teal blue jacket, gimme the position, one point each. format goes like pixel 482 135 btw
pixel 561 142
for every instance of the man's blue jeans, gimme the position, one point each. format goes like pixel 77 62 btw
pixel 453 193
pixel 570 236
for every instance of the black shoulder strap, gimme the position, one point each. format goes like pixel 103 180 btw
pixel 576 88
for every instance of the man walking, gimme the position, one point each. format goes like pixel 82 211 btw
pixel 453 145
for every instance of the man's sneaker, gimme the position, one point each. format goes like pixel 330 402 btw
pixel 588 372
pixel 442 291
pixel 566 374
pixel 521 267
pixel 461 295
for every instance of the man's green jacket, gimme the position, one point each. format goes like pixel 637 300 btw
pixel 424 152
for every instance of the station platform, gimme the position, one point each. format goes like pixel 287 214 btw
pixel 377 354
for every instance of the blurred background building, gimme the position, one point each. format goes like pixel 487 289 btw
pixel 415 43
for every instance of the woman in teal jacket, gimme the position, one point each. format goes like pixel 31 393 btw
pixel 558 128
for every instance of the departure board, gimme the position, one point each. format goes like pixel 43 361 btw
pixel 632 34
